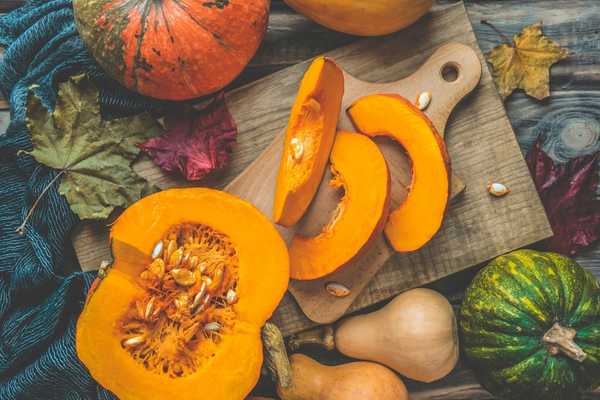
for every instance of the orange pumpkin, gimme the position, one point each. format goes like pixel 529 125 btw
pixel 180 311
pixel 172 49
pixel 309 137
pixel 420 216
pixel 360 171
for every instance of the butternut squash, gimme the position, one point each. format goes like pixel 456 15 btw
pixel 309 137
pixel 357 380
pixel 420 216
pixel 360 170
pixel 180 310
pixel 363 18
pixel 415 334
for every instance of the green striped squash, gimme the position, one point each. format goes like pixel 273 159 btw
pixel 530 325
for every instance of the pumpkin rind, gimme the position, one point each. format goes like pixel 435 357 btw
pixel 419 217
pixel 509 307
pixel 309 138
pixel 359 169
pixel 172 49
pixel 262 280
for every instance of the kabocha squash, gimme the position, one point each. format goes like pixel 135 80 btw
pixel 530 324
pixel 172 49
pixel 196 274
pixel 415 334
pixel 357 380
pixel 359 169
pixel 309 137
pixel 420 216
pixel 358 17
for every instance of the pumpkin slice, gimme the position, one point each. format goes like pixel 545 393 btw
pixel 359 169
pixel 180 311
pixel 309 137
pixel 420 216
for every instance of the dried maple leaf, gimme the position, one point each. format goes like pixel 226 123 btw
pixel 525 63
pixel 94 156
pixel 196 142
pixel 568 192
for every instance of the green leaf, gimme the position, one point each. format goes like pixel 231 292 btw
pixel 95 155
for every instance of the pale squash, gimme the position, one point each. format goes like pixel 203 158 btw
pixel 309 137
pixel 415 334
pixel 180 310
pixel 359 169
pixel 420 216
pixel 363 18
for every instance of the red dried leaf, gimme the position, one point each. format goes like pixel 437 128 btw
pixel 196 142
pixel 568 192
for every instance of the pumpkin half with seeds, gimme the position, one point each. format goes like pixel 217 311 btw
pixel 196 274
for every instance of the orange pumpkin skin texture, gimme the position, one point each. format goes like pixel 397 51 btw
pixel 172 49
pixel 359 17
pixel 309 137
pixel 141 344
pixel 359 168
pixel 420 216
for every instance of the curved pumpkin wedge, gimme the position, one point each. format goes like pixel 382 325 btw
pixel 308 140
pixel 179 313
pixel 359 168
pixel 420 216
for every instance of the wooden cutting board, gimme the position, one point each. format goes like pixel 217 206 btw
pixel 480 141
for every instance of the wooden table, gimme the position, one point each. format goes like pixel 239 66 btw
pixel 575 85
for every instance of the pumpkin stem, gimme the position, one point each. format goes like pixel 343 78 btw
pixel 321 336
pixel 276 358
pixel 559 339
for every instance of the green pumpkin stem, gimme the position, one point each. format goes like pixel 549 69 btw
pixel 322 337
pixel 559 339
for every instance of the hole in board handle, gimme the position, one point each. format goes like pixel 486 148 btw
pixel 450 72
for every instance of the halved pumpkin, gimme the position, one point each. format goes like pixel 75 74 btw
pixel 196 274
pixel 360 170
pixel 420 216
pixel 308 140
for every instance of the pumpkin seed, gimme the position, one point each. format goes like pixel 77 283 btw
pixel 216 280
pixel 202 306
pixel 231 296
pixel 199 296
pixel 297 149
pixel 193 262
pixel 170 249
pixel 212 327
pixel 133 341
pixel 497 189
pixel 158 248
pixel 423 101
pixel 148 311
pixel 183 277
pixel 337 289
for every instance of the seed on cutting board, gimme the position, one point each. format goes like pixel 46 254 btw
pixel 157 251
pixel 337 289
pixel 423 101
pixel 497 189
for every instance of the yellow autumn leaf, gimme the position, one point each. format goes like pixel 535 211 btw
pixel 525 63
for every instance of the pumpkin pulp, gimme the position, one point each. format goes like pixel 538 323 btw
pixel 360 171
pixel 420 215
pixel 190 289
pixel 309 137
pixel 181 308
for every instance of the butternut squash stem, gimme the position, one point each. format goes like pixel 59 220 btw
pixel 559 339
pixel 276 358
pixel 322 337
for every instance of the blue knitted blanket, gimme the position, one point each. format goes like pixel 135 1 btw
pixel 40 296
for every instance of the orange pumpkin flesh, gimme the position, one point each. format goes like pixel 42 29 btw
pixel 359 168
pixel 141 333
pixel 420 216
pixel 309 137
